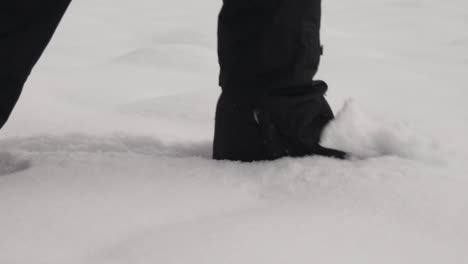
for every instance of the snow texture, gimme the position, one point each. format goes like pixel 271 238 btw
pixel 361 136
pixel 11 164
pixel 107 156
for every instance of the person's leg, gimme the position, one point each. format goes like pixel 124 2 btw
pixel 270 107
pixel 26 27
pixel 268 44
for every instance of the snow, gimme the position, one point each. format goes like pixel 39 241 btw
pixel 361 136
pixel 107 156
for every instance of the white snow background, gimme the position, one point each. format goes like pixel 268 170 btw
pixel 115 126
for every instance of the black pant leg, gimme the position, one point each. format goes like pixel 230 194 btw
pixel 263 45
pixel 268 44
pixel 26 27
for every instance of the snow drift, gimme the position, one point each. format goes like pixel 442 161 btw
pixel 107 157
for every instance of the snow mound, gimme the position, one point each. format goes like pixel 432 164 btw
pixel 356 132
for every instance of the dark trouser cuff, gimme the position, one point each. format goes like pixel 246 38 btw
pixel 268 44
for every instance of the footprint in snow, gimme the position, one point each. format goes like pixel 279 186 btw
pixel 9 163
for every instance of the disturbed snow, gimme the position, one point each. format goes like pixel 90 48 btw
pixel 107 157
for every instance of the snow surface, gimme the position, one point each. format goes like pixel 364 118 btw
pixel 111 145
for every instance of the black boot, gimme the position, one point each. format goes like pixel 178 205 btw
pixel 237 134
pixel 292 122
pixel 277 125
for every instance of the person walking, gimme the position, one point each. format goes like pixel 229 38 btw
pixel 269 52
